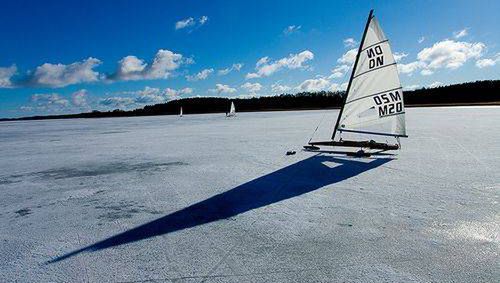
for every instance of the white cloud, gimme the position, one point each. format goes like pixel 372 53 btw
pixel 411 87
pixel 148 95
pixel 291 29
pixel 252 88
pixel 460 33
pixel 349 57
pixel 488 62
pixel 450 54
pixel 79 98
pixel 410 67
pixel 350 42
pixel 221 88
pixel 279 88
pixel 343 86
pixel 202 75
pixel 398 56
pixel 203 20
pixel 131 68
pixel 265 68
pixel 185 23
pixel 51 102
pixel 426 72
pixel 234 67
pixel 421 39
pixel 60 75
pixel 117 102
pixel 446 54
pixel 312 85
pixel 436 84
pixel 174 93
pixel 6 74
pixel 339 71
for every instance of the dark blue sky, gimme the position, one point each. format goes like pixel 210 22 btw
pixel 71 56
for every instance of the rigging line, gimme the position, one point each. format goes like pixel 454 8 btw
pixel 317 127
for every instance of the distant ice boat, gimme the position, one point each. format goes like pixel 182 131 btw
pixel 373 103
pixel 232 111
pixel 180 113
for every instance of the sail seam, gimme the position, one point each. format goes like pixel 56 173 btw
pixel 372 133
pixel 370 95
pixel 374 70
pixel 380 42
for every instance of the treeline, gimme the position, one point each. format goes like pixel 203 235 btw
pixel 473 93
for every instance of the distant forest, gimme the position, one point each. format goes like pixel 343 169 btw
pixel 472 93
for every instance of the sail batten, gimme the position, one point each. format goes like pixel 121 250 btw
pixel 374 99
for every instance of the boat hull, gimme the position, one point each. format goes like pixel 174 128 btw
pixel 363 144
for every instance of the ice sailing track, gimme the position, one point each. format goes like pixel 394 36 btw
pixel 374 98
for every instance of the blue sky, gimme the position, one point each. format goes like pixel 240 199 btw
pixel 72 56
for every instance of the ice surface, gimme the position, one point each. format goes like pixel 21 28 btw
pixel 203 198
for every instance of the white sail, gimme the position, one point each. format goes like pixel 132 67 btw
pixel 232 110
pixel 180 114
pixel 374 102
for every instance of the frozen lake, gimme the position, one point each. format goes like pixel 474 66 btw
pixel 208 199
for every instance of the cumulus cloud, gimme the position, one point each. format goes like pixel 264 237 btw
pixel 79 98
pixel 265 67
pixel 460 33
pixel 172 93
pixel 426 72
pixel 291 29
pixel 184 23
pixel 117 102
pixel 339 71
pixel 222 88
pixel 312 85
pixel 486 62
pixel 410 67
pixel 234 67
pixel 51 102
pixel 131 68
pixel 399 55
pixel 320 83
pixel 202 75
pixel 279 88
pixel 450 54
pixel 251 87
pixel 60 75
pixel 148 95
pixel 350 42
pixel 446 54
pixel 349 57
pixel 6 74
pixel 54 102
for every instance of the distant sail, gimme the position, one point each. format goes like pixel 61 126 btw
pixel 232 110
pixel 374 102
pixel 180 114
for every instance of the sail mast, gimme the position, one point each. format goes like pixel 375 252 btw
pixel 352 73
